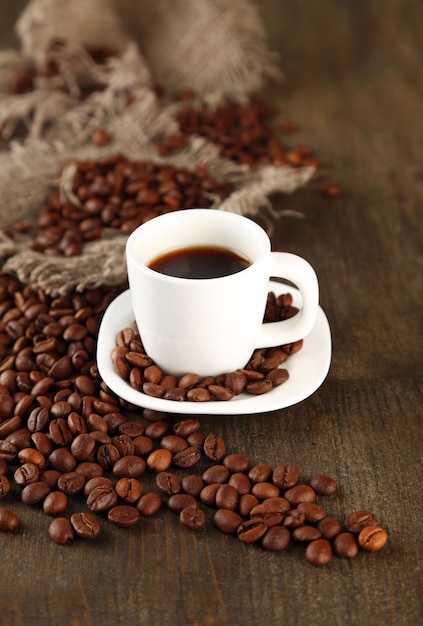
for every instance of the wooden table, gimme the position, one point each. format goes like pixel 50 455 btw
pixel 354 86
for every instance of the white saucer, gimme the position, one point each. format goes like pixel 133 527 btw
pixel 307 368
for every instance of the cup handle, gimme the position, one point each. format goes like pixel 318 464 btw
pixel 300 272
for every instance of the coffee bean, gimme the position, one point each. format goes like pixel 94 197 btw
pixel 323 485
pixel 192 518
pixel 168 483
pixel 246 504
pixel 214 447
pixel 4 486
pixel 227 520
pixel 61 530
pixel 71 483
pixel 300 493
pixel 265 490
pixel 372 538
pixel 285 476
pixel 129 489
pixel 187 458
pixel 124 516
pixel 329 527
pixel 149 504
pixel 241 482
pixel 215 474
pixel 276 539
pixel 85 525
pixel 271 511
pixel 318 552
pixel 226 497
pixel 102 498
pixel 25 474
pixel 306 533
pixel 237 462
pixel 34 493
pixel 9 521
pixel 55 502
pixel 357 520
pixel 179 501
pixel 159 460
pixel 260 473
pixel 251 530
pixel 313 512
pixel 345 545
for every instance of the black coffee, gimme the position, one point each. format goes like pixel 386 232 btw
pixel 199 262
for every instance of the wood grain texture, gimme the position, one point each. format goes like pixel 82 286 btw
pixel 354 84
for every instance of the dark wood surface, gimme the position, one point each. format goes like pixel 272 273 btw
pixel 354 85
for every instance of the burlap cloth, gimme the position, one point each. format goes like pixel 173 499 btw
pixel 217 48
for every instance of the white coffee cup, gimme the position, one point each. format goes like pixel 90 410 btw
pixel 211 326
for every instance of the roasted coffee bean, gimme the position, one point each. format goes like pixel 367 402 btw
pixel 215 474
pixel 123 444
pixel 318 552
pixel 34 493
pixel 192 484
pixel 372 538
pixel 357 520
pixel 130 466
pixel 294 518
pixel 251 530
pixel 329 527
pixel 159 460
pixel 168 483
pixel 276 539
pixel 345 545
pixel 34 457
pixel 85 525
pixel 124 516
pixel 236 382
pixel 71 483
pixel 260 473
pixel 226 497
pixel 129 489
pixel 4 486
pixel 192 518
pixel 9 521
pixel 25 474
pixel 187 458
pixel 149 504
pixel 241 482
pixel 208 494
pixel 323 485
pixel 214 447
pixel 62 460
pixel 102 498
pixel 227 520
pixel 55 502
pixel 300 493
pixel 107 456
pixel 179 501
pixel 265 490
pixel 285 476
pixel 246 504
pixel 89 469
pixel 156 430
pixel 96 481
pixel 184 428
pixel 313 512
pixel 271 511
pixel 237 462
pixel 173 443
pixel 61 530
pixel 306 533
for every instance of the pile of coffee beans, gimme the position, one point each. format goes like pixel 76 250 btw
pixel 117 193
pixel 244 133
pixel 56 62
pixel 86 457
pixel 260 375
